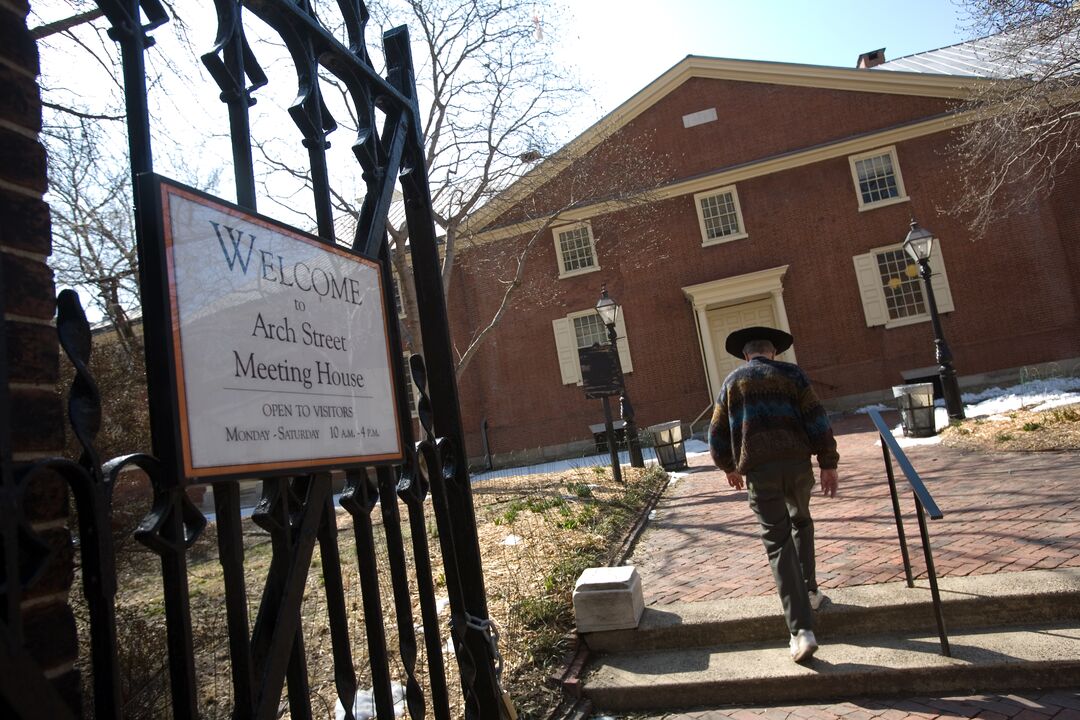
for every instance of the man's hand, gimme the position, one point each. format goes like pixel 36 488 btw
pixel 735 480
pixel 829 481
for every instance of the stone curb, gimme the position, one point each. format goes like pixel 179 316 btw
pixel 1042 656
pixel 976 601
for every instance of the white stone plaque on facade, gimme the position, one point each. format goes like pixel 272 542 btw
pixel 279 341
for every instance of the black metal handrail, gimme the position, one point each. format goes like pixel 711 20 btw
pixel 924 505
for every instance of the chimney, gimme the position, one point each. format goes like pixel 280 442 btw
pixel 871 59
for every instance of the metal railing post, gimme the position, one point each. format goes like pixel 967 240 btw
pixel 897 515
pixel 924 502
pixel 931 575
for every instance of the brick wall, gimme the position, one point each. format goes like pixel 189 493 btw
pixel 28 297
pixel 1014 291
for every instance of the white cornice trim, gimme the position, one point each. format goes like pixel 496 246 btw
pixel 756 71
pixel 730 176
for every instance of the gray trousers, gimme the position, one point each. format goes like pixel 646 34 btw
pixel 780 498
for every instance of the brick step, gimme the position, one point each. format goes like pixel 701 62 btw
pixel 1030 656
pixel 979 601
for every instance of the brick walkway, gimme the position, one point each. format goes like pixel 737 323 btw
pixel 1036 705
pixel 1003 513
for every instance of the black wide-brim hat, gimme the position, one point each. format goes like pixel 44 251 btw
pixel 737 340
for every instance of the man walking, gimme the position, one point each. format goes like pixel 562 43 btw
pixel 766 424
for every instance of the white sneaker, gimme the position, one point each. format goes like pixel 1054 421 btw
pixel 803 645
pixel 817 599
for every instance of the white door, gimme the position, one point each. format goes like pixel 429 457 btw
pixel 726 320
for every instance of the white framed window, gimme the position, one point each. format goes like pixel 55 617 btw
pixel 891 288
pixel 877 178
pixel 582 329
pixel 575 249
pixel 719 216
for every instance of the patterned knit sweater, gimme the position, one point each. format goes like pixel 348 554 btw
pixel 768 411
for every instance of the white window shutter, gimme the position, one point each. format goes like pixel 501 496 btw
pixel 873 299
pixel 565 345
pixel 940 282
pixel 623 344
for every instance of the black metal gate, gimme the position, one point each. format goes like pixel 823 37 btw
pixel 267 657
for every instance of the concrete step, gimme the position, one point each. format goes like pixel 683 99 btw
pixel 890 608
pixel 1043 656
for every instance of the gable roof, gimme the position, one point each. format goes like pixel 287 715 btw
pixel 898 82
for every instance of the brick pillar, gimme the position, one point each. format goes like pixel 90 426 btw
pixel 35 412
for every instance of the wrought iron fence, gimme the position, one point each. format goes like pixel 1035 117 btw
pixel 268 654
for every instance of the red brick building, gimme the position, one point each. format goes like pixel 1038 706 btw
pixel 780 195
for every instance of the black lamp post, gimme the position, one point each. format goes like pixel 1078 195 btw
pixel 608 310
pixel 919 244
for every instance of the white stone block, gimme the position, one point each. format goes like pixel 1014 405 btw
pixel 608 598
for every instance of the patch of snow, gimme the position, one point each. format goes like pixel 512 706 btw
pixel 696 447
pixel 511 540
pixel 880 407
pixel 903 442
pixel 652 514
pixel 364 704
pixel 441 604
pixel 1056 402
pixel 602 460
pixel 1050 386
pixel 993 403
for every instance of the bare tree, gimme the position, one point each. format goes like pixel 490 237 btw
pixel 1028 131
pixel 90 192
pixel 493 101
pixel 93 237
pixel 612 177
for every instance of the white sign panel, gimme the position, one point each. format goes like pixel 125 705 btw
pixel 280 344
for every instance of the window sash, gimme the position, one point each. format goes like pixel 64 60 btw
pixel 877 178
pixel 588 330
pixel 575 247
pixel 900 284
pixel 720 215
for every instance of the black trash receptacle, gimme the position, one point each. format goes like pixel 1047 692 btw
pixel 916 406
pixel 669 445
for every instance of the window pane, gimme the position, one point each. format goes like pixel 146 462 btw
pixel 576 249
pixel 589 329
pixel 720 217
pixel 877 180
pixel 901 284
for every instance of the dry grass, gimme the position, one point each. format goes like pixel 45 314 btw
pixel 536 534
pixel 1018 431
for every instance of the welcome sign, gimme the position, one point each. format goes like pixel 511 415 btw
pixel 279 344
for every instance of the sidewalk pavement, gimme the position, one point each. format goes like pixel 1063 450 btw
pixel 1005 512
pixel 1028 705
pixel 1002 513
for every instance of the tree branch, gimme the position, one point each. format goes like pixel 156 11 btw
pixel 43 31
